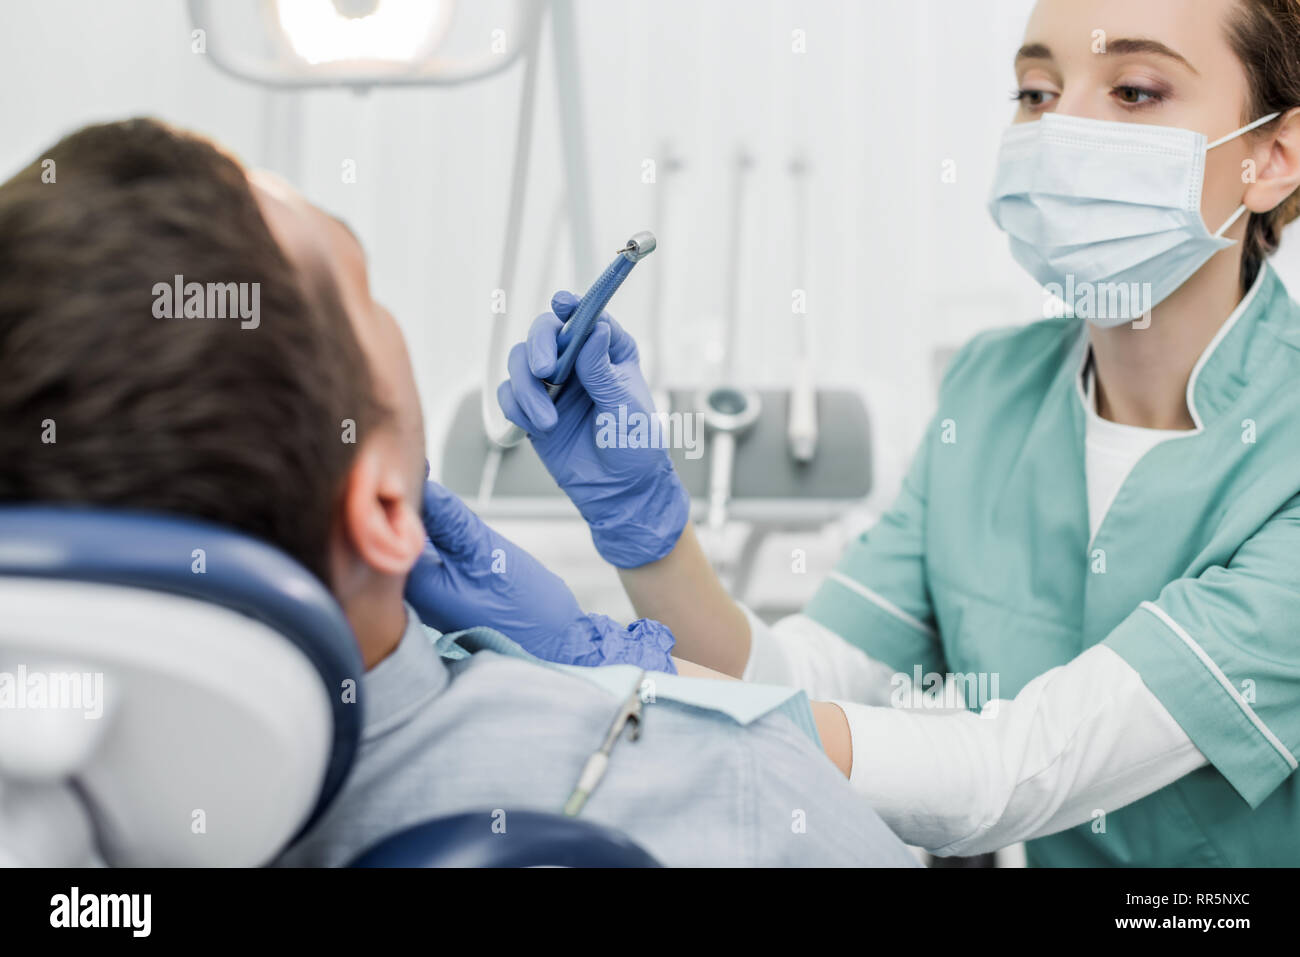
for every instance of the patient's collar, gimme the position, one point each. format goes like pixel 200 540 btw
pixel 405 681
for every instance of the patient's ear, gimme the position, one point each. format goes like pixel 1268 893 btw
pixel 379 521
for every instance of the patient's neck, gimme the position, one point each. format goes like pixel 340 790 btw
pixel 378 620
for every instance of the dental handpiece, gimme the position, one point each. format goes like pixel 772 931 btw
pixel 573 335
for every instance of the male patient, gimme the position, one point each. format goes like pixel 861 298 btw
pixel 301 425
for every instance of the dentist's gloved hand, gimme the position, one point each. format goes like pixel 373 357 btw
pixel 631 498
pixel 469 575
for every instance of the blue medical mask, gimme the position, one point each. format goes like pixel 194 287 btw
pixel 1091 203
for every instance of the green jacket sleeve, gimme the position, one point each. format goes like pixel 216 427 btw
pixel 1222 653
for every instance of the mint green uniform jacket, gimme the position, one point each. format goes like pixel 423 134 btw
pixel 984 565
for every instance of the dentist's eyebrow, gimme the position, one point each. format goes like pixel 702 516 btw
pixel 1126 46
pixel 1033 51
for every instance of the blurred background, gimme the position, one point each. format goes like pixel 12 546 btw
pixel 839 147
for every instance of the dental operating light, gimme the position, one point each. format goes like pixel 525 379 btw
pixel 301 44
pixel 330 31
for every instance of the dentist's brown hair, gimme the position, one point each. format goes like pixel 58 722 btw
pixel 1265 35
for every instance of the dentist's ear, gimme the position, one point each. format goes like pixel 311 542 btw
pixel 381 518
pixel 1277 172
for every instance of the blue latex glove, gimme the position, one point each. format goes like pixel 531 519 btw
pixel 631 498
pixel 469 575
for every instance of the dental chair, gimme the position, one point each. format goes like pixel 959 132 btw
pixel 176 694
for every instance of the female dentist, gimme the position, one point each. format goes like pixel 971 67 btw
pixel 1104 516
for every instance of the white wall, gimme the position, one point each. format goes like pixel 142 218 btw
pixel 899 261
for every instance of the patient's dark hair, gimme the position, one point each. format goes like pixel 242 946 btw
pixel 200 417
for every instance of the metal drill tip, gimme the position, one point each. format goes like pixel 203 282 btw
pixel 639 246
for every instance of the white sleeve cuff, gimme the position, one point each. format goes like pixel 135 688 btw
pixel 798 652
pixel 1084 736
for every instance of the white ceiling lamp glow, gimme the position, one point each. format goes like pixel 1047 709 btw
pixel 340 31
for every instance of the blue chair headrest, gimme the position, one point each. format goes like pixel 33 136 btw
pixel 155 551
pixel 534 839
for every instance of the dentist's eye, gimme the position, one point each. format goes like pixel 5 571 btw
pixel 1032 99
pixel 1136 96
